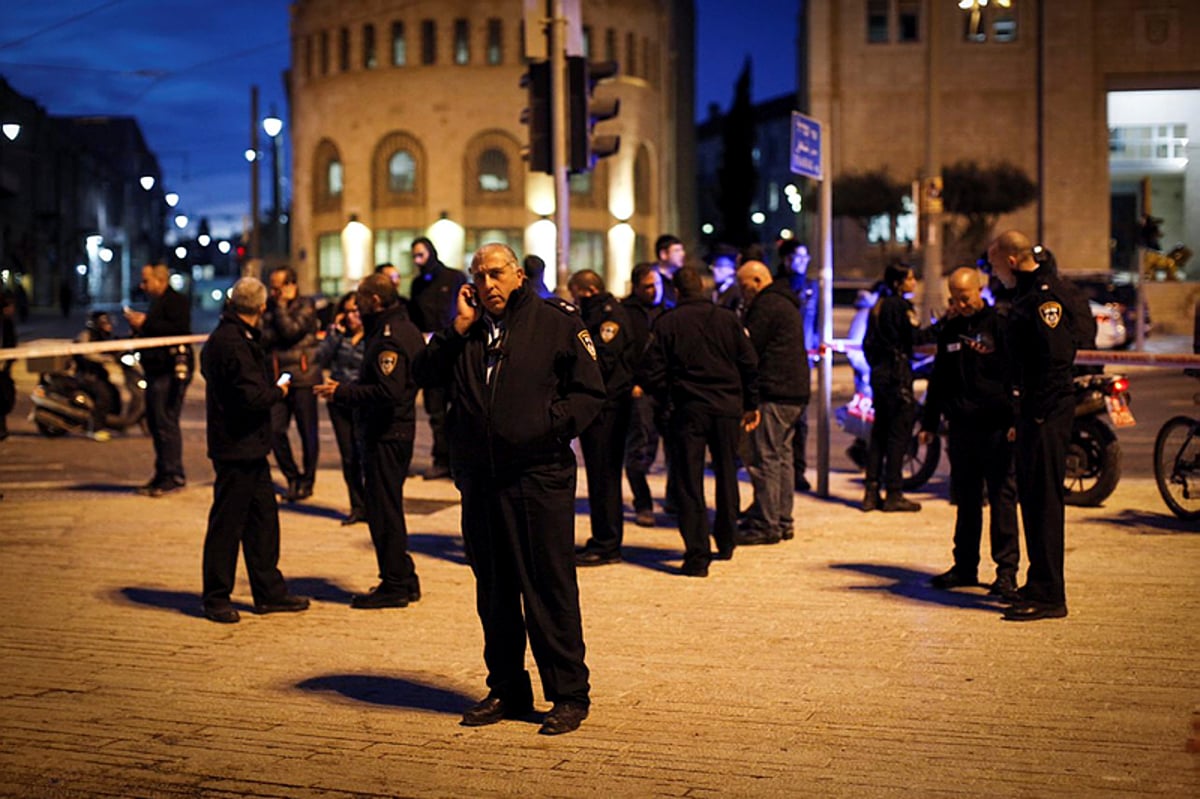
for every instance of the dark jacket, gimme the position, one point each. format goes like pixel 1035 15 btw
pixel 290 336
pixel 342 357
pixel 1042 344
pixel 546 386
pixel 386 391
pixel 238 393
pixel 434 295
pixel 168 315
pixel 776 327
pixel 609 325
pixel 970 381
pixel 641 320
pixel 892 332
pixel 699 356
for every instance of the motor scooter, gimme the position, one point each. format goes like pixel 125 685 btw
pixel 64 403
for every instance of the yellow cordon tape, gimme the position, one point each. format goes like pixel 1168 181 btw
pixel 49 350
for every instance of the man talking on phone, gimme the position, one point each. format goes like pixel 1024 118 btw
pixel 522 379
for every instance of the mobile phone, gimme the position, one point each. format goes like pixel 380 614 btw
pixel 284 379
pixel 472 297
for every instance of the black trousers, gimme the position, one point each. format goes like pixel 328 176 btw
pixel 164 404
pixel 891 433
pixel 519 534
pixel 386 467
pixel 800 445
pixel 641 447
pixel 1041 469
pixel 350 447
pixel 692 431
pixel 603 445
pixel 300 403
pixel 243 513
pixel 436 407
pixel 982 455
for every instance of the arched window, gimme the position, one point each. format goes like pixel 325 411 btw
pixel 493 171
pixel 335 179
pixel 402 172
pixel 328 178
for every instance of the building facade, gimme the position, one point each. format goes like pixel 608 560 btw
pixel 909 85
pixel 406 123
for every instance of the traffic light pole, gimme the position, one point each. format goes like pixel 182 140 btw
pixel 556 35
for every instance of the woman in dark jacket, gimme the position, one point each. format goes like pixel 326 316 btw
pixel 342 354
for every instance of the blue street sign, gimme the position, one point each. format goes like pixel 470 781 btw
pixel 806 147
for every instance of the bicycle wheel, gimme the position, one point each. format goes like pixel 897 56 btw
pixel 1177 466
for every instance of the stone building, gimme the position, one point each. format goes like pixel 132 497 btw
pixel 1029 84
pixel 406 122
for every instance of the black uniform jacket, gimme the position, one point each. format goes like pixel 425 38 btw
pixel 892 332
pixel 238 393
pixel 971 373
pixel 434 295
pixel 168 315
pixel 700 357
pixel 641 320
pixel 609 325
pixel 290 335
pixel 776 329
pixel 385 394
pixel 545 388
pixel 1042 344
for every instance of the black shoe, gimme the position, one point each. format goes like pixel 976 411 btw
pixel 898 503
pixel 953 579
pixel 494 709
pixel 723 554
pixel 293 490
pixel 644 518
pixel 788 534
pixel 563 717
pixel 285 604
pixel 221 613
pixel 802 484
pixel 354 517
pixel 1005 587
pixel 304 489
pixel 753 536
pixel 437 472
pixel 871 500
pixel 1034 611
pixel 694 569
pixel 379 598
pixel 593 557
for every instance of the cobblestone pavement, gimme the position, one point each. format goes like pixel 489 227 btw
pixel 823 666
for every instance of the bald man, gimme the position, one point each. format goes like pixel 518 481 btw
pixel 969 387
pixel 1042 347
pixel 776 329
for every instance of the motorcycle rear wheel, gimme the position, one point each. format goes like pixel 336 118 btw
pixel 1177 466
pixel 921 460
pixel 1093 463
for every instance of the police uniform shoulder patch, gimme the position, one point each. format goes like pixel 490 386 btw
pixel 608 331
pixel 387 362
pixel 1051 313
pixel 585 338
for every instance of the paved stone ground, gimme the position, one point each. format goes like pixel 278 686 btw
pixel 820 667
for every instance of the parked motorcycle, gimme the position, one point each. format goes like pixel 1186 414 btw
pixel 64 403
pixel 1093 453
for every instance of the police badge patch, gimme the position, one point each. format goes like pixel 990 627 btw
pixel 387 362
pixel 1051 313
pixel 586 339
pixel 608 331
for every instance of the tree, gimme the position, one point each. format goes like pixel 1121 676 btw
pixel 862 197
pixel 737 177
pixel 979 196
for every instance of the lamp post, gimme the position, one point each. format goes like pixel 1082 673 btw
pixel 272 126
pixel 252 157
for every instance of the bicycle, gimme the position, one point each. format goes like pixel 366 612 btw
pixel 1177 465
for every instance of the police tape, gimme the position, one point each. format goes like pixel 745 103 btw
pixel 1172 360
pixel 59 348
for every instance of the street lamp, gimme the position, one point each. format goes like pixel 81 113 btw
pixel 172 199
pixel 11 130
pixel 272 126
pixel 147 182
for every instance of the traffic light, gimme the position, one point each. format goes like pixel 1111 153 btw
pixel 584 111
pixel 537 115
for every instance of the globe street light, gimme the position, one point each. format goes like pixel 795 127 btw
pixel 172 199
pixel 147 182
pixel 11 130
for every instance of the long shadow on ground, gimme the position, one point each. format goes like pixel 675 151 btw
pixel 185 602
pixel 914 585
pixel 1145 523
pixel 390 692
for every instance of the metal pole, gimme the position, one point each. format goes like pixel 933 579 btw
pixel 255 250
pixel 825 364
pixel 276 227
pixel 558 159
pixel 932 272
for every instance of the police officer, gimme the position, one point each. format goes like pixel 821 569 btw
pixel 603 442
pixel 385 398
pixel 700 359
pixel 970 387
pixel 1042 346
pixel 523 381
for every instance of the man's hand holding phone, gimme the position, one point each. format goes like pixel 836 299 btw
pixel 284 381
pixel 467 309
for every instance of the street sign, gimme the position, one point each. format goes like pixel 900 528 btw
pixel 806 147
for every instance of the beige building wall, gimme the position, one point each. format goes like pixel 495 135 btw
pixel 873 97
pixel 448 114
